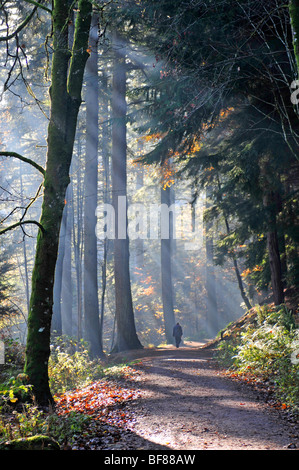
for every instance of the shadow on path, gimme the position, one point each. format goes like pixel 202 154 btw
pixel 186 403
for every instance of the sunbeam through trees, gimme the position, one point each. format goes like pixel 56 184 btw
pixel 149 175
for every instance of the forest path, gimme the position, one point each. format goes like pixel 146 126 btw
pixel 187 403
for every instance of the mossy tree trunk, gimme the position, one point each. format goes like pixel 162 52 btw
pixel 65 93
pixel 294 15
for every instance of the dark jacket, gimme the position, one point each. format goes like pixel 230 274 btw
pixel 177 331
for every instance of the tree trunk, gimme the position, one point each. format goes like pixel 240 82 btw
pixel 270 203
pixel 273 249
pixel 26 281
pixel 65 94
pixel 66 281
pixel 139 242
pixel 235 261
pixel 166 271
pixel 91 301
pixel 77 240
pixel 237 271
pixel 294 15
pixel 212 310
pixel 56 324
pixel 125 322
pixel 275 267
pixel 106 185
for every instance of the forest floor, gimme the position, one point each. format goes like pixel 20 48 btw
pixel 184 401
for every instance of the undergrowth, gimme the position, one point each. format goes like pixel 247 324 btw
pixel 70 368
pixel 70 365
pixel 267 349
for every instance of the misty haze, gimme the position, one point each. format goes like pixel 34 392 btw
pixel 148 176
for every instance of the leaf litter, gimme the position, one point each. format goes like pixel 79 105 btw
pixel 174 388
pixel 104 402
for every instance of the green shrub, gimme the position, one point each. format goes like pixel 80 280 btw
pixel 67 428
pixel 227 351
pixel 14 351
pixel 26 422
pixel 31 421
pixel 276 316
pixel 70 365
pixel 269 351
pixel 14 389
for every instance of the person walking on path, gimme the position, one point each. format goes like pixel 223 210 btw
pixel 177 333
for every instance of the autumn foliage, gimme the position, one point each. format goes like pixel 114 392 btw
pixel 96 400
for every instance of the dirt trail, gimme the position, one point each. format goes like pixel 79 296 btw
pixel 186 403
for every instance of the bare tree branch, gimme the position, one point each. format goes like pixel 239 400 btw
pixel 20 27
pixel 20 223
pixel 39 5
pixel 24 159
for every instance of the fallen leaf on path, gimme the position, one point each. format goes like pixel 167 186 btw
pixel 95 400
